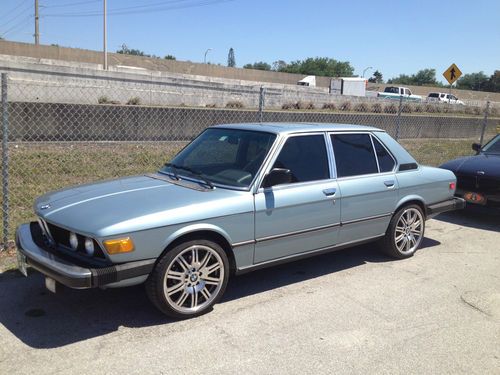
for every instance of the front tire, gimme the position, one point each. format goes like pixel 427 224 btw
pixel 189 279
pixel 405 233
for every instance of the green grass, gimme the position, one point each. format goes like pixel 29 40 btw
pixel 38 168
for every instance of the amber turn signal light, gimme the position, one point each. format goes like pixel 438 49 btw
pixel 119 245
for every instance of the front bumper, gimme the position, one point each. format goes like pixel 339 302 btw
pixel 454 203
pixel 71 275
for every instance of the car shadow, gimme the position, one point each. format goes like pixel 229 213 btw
pixel 41 319
pixel 474 217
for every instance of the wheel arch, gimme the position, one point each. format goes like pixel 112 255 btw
pixel 412 199
pixel 206 232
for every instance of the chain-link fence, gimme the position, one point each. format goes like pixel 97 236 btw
pixel 62 129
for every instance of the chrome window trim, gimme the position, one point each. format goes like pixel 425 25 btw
pixel 276 153
pixel 374 152
pixel 396 164
pixel 370 134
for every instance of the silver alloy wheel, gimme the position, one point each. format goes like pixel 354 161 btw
pixel 409 230
pixel 193 279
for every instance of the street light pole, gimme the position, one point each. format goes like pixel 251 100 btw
pixel 370 67
pixel 105 37
pixel 37 18
pixel 205 58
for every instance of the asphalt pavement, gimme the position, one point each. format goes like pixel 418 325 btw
pixel 352 311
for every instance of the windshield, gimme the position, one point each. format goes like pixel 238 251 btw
pixel 493 146
pixel 222 156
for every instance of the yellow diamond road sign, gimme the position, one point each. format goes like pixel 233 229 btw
pixel 452 74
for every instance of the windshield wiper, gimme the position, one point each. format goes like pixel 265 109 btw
pixel 199 175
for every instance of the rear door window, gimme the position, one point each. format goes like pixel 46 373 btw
pixel 354 154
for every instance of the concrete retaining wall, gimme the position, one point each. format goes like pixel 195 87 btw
pixel 33 122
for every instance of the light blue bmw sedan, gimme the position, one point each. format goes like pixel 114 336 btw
pixel 237 198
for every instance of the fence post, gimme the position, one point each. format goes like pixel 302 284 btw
pixel 5 161
pixel 262 103
pixel 485 122
pixel 398 118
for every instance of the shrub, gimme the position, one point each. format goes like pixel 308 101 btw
pixel 288 106
pixel 361 107
pixel 391 108
pixel 304 105
pixel 213 105
pixel 432 108
pixel 345 106
pixel 330 106
pixel 105 100
pixel 493 111
pixel 419 108
pixel 234 104
pixel 407 108
pixel 134 101
pixel 377 108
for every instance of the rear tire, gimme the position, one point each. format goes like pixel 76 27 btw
pixel 189 279
pixel 405 232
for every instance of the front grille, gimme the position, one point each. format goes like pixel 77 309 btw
pixel 61 239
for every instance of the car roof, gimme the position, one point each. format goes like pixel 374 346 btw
pixel 297 127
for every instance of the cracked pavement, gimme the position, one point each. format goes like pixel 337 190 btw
pixel 352 311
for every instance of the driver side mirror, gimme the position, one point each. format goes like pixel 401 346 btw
pixel 277 176
pixel 476 147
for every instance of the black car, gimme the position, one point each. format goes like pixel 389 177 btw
pixel 478 176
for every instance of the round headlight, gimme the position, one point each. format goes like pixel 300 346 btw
pixel 89 246
pixel 73 241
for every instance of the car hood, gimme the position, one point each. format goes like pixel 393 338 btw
pixel 471 165
pixel 134 203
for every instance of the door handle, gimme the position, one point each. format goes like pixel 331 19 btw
pixel 389 183
pixel 330 192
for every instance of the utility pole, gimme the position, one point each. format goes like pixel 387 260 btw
pixel 105 37
pixel 37 33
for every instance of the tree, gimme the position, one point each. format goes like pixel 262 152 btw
pixel 127 51
pixel 260 65
pixel 279 65
pixel 472 81
pixel 320 66
pixel 170 57
pixel 423 77
pixel 493 83
pixel 376 78
pixel 231 61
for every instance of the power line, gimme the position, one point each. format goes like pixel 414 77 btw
pixel 23 22
pixel 14 9
pixel 72 4
pixel 19 14
pixel 122 11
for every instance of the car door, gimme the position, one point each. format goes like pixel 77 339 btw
pixel 302 215
pixel 367 183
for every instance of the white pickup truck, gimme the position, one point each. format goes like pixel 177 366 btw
pixel 394 92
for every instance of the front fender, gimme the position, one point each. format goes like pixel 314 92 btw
pixel 198 227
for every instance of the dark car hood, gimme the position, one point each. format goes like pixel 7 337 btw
pixel 134 203
pixel 471 165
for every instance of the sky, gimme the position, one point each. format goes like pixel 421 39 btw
pixel 392 36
